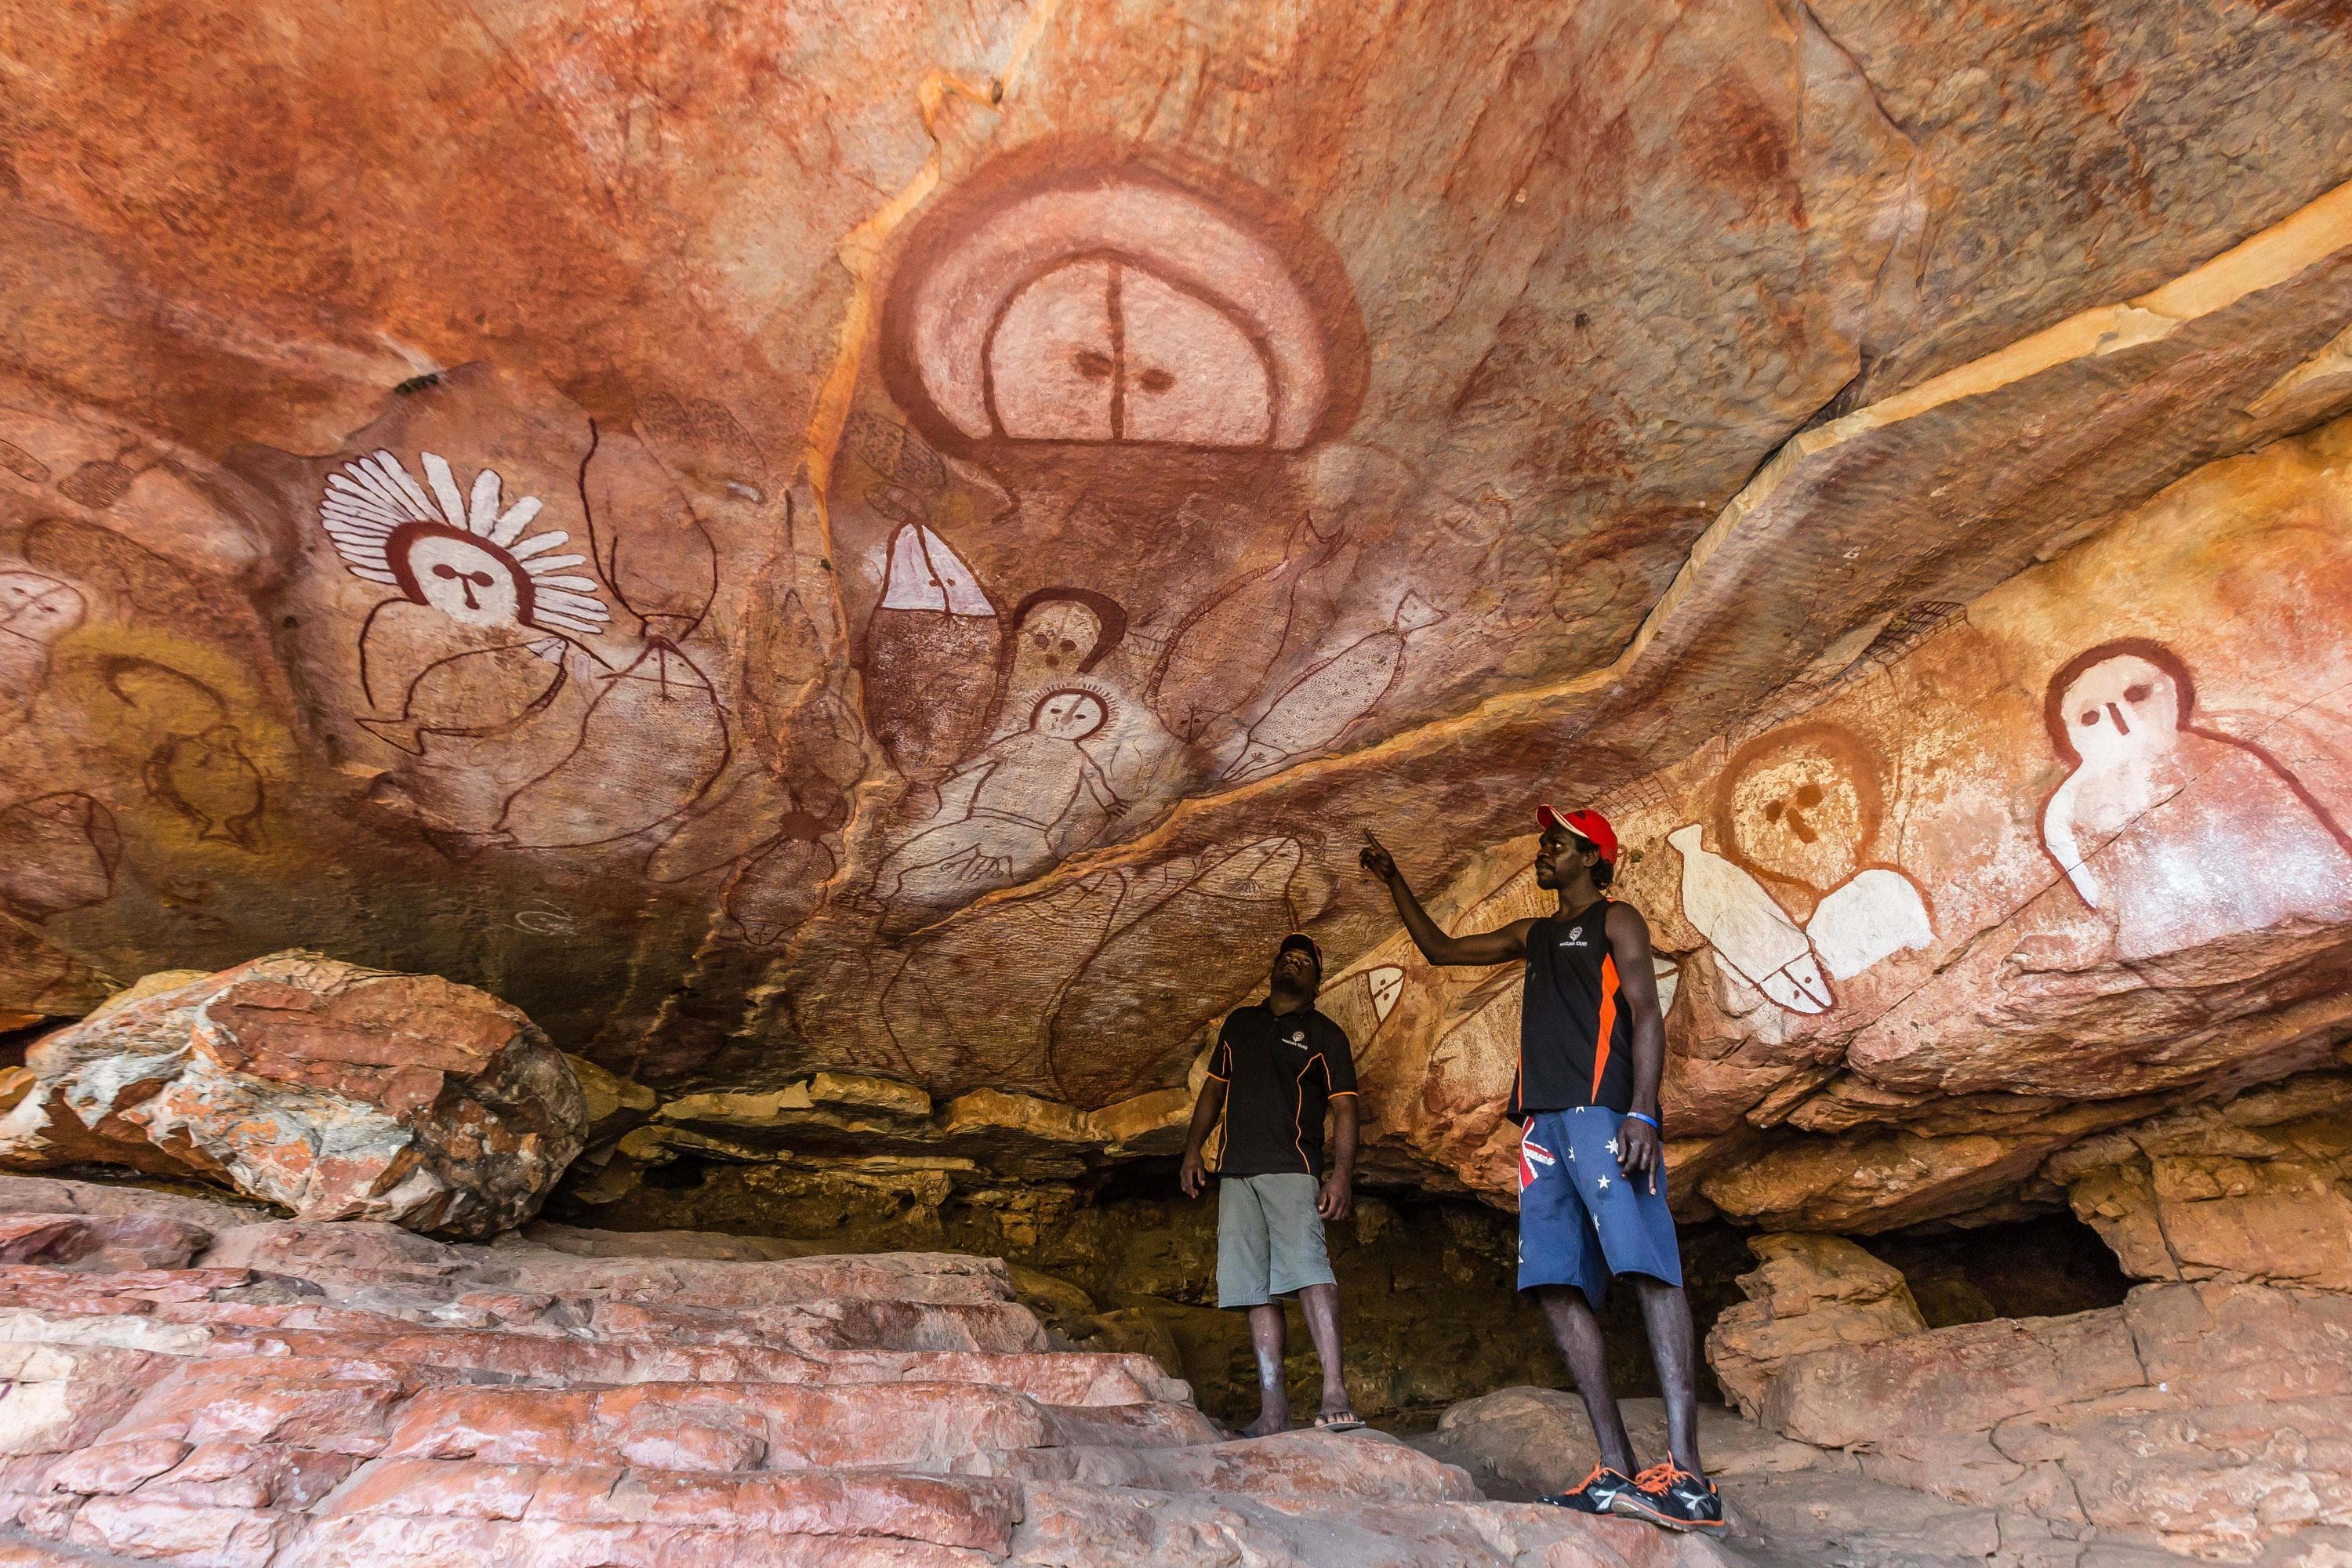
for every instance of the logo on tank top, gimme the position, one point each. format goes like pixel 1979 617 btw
pixel 1575 936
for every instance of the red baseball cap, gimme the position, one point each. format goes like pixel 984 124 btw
pixel 1589 825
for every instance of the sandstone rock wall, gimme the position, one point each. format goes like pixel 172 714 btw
pixel 2000 876
pixel 1810 1293
pixel 906 545
pixel 2254 1189
pixel 2208 1419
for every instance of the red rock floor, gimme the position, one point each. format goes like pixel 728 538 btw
pixel 187 1385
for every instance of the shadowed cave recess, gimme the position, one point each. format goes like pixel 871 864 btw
pixel 662 666
pixel 1432 1319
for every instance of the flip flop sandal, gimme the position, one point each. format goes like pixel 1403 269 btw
pixel 1338 1421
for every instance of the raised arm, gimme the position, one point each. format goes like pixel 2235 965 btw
pixel 1484 947
pixel 1640 1147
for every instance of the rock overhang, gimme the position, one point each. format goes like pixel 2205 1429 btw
pixel 1385 428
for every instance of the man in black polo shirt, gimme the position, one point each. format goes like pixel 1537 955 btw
pixel 1279 1065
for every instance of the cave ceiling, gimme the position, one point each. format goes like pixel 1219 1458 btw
pixel 908 541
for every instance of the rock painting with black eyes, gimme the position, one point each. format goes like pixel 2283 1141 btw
pixel 36 610
pixel 2175 833
pixel 1127 373
pixel 1882 876
pixel 1098 522
pixel 1793 905
pixel 1088 577
pixel 533 685
pixel 965 676
pixel 1004 815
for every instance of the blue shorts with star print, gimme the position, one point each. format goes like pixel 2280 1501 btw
pixel 1582 1220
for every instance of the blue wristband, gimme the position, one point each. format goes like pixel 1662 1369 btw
pixel 1637 1115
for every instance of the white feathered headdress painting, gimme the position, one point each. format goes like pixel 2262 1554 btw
pixel 460 554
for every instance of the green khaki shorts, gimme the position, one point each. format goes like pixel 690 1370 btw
pixel 1269 1239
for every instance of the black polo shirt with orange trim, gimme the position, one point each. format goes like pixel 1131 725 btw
pixel 1576 1033
pixel 1281 1071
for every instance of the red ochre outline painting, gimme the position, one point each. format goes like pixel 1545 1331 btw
pixel 1082 164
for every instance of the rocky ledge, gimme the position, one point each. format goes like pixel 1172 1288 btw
pixel 190 1383
pixel 193 1382
pixel 2208 1421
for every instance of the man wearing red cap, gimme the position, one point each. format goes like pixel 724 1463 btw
pixel 1592 1183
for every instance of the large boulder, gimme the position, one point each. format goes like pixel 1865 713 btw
pixel 337 1092
pixel 2256 1189
pixel 1808 1293
pixel 2214 1420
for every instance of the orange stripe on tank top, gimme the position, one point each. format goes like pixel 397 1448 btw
pixel 1608 1023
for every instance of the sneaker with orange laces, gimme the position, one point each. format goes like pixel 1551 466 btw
pixel 1666 1494
pixel 1594 1494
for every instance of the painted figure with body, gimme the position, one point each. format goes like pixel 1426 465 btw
pixel 497 665
pixel 2175 833
pixel 1013 810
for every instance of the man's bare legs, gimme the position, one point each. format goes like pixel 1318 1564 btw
pixel 1273 1396
pixel 1666 1313
pixel 1579 1333
pixel 1321 1304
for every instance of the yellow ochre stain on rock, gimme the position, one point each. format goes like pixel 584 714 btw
pixel 860 253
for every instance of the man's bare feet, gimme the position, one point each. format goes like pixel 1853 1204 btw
pixel 1269 1421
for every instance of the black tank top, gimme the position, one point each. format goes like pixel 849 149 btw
pixel 1576 1034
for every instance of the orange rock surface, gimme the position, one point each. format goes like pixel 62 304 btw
pixel 336 1091
pixel 908 548
pixel 351 1393
pixel 853 568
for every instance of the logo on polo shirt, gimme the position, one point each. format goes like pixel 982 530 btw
pixel 1298 1036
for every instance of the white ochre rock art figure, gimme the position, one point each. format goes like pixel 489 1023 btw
pixel 36 610
pixel 475 641
pixel 1002 816
pixel 460 553
pixel 1873 915
pixel 1747 930
pixel 2179 835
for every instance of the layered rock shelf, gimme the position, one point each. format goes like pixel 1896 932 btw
pixel 188 1383
pixel 192 1381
